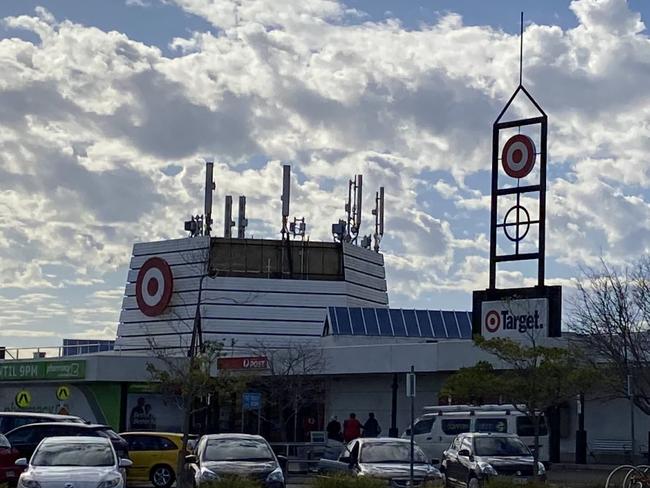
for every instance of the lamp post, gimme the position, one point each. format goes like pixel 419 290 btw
pixel 196 344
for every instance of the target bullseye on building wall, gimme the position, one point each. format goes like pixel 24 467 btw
pixel 518 156
pixel 154 287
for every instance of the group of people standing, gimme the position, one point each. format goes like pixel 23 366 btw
pixel 353 428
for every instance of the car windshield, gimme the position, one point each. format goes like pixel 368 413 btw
pixel 500 446
pixel 390 452
pixel 4 442
pixel 237 450
pixel 74 454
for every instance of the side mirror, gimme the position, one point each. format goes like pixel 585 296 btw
pixel 435 461
pixel 282 460
pixel 191 459
pixel 407 432
pixel 125 463
pixel 464 453
pixel 21 462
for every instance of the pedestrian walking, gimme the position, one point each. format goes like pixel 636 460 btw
pixel 352 428
pixel 371 428
pixel 334 429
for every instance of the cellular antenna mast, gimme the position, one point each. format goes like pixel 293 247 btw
pixel 209 188
pixel 286 197
pixel 378 212
pixel 242 221
pixel 228 223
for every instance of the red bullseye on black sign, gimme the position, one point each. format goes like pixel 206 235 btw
pixel 518 156
pixel 492 321
pixel 154 287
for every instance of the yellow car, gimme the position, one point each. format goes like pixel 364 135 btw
pixel 154 456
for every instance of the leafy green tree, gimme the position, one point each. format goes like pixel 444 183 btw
pixel 532 378
pixel 190 381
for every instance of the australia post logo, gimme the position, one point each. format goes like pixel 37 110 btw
pixel 515 318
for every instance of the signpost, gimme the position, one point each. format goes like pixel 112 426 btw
pixel 410 392
pixel 252 400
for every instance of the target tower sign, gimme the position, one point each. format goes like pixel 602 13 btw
pixel 518 230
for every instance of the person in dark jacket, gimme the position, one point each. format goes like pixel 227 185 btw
pixel 334 429
pixel 371 427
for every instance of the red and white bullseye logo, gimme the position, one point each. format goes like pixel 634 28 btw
pixel 154 286
pixel 518 156
pixel 492 321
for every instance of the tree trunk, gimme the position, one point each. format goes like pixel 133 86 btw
pixel 536 444
pixel 182 477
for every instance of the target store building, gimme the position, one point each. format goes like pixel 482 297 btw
pixel 268 294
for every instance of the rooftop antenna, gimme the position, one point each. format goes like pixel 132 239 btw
pixel 378 212
pixel 209 188
pixel 353 208
pixel 286 196
pixel 242 221
pixel 228 223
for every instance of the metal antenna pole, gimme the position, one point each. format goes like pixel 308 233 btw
pixel 521 48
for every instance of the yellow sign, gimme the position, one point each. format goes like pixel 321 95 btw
pixel 62 393
pixel 23 398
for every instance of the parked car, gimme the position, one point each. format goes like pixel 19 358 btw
pixel 9 472
pixel 10 420
pixel 250 456
pixel 154 456
pixel 27 437
pixel 384 458
pixel 438 427
pixel 74 461
pixel 475 457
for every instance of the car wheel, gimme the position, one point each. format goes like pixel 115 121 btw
pixel 473 483
pixel 162 476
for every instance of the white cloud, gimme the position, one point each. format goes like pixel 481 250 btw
pixel 92 121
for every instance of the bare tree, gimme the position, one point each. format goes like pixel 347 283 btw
pixel 292 380
pixel 610 314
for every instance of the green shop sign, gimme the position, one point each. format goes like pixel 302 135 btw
pixel 42 370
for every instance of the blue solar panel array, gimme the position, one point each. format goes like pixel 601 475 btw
pixel 397 322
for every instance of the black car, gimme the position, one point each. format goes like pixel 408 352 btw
pixel 27 437
pixel 11 420
pixel 222 455
pixel 475 457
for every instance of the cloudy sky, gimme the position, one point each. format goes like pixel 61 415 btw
pixel 108 108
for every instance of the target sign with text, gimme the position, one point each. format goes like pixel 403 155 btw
pixel 518 156
pixel 154 287
pixel 519 319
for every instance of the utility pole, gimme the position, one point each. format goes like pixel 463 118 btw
pixel 410 392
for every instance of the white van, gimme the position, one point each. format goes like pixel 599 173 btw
pixel 435 430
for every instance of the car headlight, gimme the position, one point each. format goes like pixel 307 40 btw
pixel 276 475
pixel 24 482
pixel 110 483
pixel 541 469
pixel 486 468
pixel 206 475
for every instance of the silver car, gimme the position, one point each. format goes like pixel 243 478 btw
pixel 82 462
pixel 383 458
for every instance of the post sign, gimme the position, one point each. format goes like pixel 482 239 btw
pixel 42 370
pixel 243 363
pixel 516 319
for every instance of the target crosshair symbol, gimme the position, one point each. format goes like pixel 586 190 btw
pixel 517 223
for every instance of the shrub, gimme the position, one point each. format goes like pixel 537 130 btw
pixel 347 481
pixel 233 482
pixel 509 483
